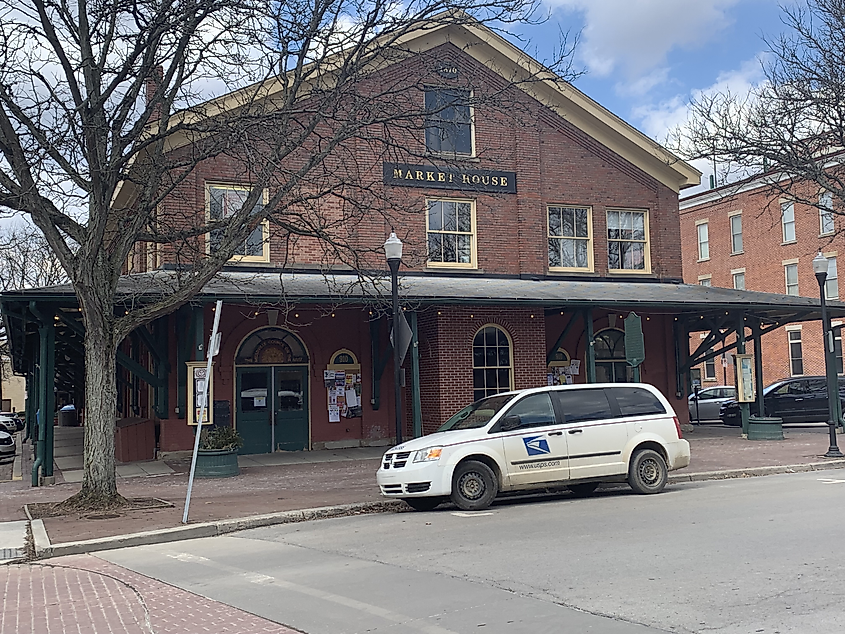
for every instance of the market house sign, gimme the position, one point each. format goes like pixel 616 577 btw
pixel 404 175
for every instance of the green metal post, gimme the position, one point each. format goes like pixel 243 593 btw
pixel 591 352
pixel 37 432
pixel 758 367
pixel 416 399
pixel 744 410
pixel 47 335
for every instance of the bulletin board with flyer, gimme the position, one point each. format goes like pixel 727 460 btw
pixel 562 368
pixel 342 380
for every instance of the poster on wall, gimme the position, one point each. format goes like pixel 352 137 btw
pixel 342 379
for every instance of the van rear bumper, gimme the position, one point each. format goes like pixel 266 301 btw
pixel 679 454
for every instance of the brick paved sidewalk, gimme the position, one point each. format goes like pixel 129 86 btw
pixel 88 595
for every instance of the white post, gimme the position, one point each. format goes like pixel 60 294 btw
pixel 213 349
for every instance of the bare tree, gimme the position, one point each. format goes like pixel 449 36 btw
pixel 789 131
pixel 107 111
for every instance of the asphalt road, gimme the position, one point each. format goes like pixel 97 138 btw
pixel 757 555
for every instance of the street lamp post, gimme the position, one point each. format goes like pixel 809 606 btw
pixel 820 265
pixel 393 253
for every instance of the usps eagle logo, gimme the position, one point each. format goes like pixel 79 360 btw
pixel 536 445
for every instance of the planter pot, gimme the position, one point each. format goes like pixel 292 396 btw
pixel 765 428
pixel 217 463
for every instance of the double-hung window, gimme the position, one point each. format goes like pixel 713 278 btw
pixel 787 219
pixel 736 233
pixel 710 368
pixel 791 274
pixel 448 122
pixel 627 241
pixel 796 355
pixel 703 229
pixel 451 232
pixel 825 213
pixel 225 201
pixel 831 284
pixel 570 238
pixel 739 279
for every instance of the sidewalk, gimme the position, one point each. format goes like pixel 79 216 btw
pixel 306 480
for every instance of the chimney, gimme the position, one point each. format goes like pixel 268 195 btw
pixel 152 85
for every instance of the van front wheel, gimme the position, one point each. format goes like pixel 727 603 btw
pixel 647 472
pixel 474 486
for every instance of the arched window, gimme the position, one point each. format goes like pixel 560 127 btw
pixel 611 366
pixel 271 346
pixel 492 364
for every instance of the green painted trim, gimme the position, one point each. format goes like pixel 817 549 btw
pixel 416 398
pixel 560 339
pixel 376 372
pixel 590 349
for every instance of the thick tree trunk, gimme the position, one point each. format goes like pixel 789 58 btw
pixel 99 485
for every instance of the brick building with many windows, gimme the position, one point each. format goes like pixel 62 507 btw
pixel 531 243
pixel 742 236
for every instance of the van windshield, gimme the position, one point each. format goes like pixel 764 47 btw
pixel 478 414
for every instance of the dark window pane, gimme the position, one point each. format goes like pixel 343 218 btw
pixel 478 357
pixel 464 217
pixel 635 401
pixel 613 256
pixel 478 379
pixel 435 215
pixel 435 247
pixel 490 336
pixel 581 223
pixel 581 259
pixel 504 381
pixel 504 356
pixel 450 222
pixel 490 378
pixel 584 405
pixel 554 221
pixel 554 252
pixel 502 338
pixel 568 225
pixel 464 249
pixel 534 411
pixel 450 247
pixel 479 339
pixel 491 358
pixel 567 253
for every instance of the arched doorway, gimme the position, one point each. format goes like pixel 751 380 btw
pixel 271 411
pixel 611 365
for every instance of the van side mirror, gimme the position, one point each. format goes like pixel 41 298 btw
pixel 509 423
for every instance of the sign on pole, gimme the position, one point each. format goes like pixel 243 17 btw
pixel 213 349
pixel 634 341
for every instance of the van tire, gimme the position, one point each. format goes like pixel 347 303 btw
pixel 474 486
pixel 583 489
pixel 647 472
pixel 423 504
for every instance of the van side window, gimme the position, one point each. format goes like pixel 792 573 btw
pixel 635 401
pixel 534 411
pixel 584 405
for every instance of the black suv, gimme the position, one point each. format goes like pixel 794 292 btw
pixel 798 400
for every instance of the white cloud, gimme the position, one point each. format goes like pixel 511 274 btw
pixel 635 36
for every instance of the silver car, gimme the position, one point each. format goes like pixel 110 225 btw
pixel 8 424
pixel 7 445
pixel 710 400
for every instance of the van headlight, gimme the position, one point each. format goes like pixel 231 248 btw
pixel 428 454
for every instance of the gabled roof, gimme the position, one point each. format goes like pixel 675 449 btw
pixel 493 51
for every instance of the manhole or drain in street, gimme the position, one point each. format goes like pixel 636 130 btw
pixel 102 516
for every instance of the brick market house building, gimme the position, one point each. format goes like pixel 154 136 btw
pixel 538 241
pixel 744 236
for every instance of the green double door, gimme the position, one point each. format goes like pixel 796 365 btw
pixel 272 408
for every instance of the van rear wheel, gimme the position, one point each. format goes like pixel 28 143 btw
pixel 474 486
pixel 647 472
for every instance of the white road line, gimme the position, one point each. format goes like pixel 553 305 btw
pixel 361 606
pixel 459 514
pixel 831 481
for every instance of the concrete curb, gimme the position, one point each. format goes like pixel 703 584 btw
pixel 44 549
pixel 755 471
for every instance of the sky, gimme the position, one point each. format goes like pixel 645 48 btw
pixel 645 59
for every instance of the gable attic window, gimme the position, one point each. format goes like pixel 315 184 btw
pixel 448 122
pixel 226 200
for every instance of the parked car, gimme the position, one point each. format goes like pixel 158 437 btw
pixel 710 401
pixel 7 445
pixel 570 435
pixel 797 400
pixel 8 424
pixel 20 423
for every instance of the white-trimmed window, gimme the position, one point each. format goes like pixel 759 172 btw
pixel 738 276
pixel 492 362
pixel 451 232
pixel 831 284
pixel 628 241
pixel 790 272
pixel 796 354
pixel 787 220
pixel 570 238
pixel 710 368
pixel 704 280
pixel 703 230
pixel 448 121
pixel 736 233
pixel 826 225
pixel 224 201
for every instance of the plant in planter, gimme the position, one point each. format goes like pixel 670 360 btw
pixel 218 453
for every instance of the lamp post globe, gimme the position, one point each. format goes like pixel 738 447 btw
pixel 393 255
pixel 820 267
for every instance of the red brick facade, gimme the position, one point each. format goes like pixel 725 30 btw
pixel 762 259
